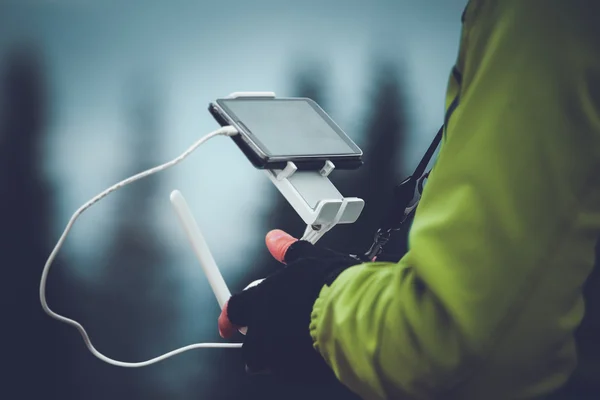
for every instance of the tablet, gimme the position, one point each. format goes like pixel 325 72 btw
pixel 273 131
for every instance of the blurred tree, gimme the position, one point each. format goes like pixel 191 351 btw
pixel 34 346
pixel 585 376
pixel 384 139
pixel 134 308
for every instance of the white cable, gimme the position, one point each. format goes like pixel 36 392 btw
pixel 226 131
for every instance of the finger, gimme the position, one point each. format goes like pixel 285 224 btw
pixel 226 328
pixel 278 243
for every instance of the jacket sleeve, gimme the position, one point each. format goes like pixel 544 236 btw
pixel 508 207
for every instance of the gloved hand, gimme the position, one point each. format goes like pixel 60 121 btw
pixel 277 312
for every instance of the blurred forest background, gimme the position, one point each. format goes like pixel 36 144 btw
pixel 93 93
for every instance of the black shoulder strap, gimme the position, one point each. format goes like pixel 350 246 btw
pixel 429 153
pixel 403 203
pixel 404 193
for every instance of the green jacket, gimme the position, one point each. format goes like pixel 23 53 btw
pixel 485 303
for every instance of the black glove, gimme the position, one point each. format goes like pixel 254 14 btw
pixel 277 314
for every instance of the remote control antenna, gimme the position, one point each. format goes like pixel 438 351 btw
pixel 194 235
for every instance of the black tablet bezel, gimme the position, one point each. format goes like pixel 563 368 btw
pixel 257 153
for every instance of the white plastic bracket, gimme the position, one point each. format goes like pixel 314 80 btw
pixel 314 197
pixel 327 168
pixel 288 171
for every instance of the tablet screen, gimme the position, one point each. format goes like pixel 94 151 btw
pixel 289 127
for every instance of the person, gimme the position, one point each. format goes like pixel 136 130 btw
pixel 487 300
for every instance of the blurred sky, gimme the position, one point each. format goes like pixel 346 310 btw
pixel 194 52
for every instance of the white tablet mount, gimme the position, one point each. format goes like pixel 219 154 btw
pixel 314 197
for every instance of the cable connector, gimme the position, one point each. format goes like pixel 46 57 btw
pixel 228 131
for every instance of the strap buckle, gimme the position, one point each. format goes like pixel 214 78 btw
pixel 407 196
